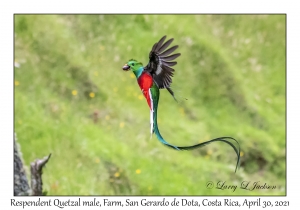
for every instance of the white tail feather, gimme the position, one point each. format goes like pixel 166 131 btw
pixel 151 114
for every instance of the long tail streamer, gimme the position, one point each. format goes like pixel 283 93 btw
pixel 225 139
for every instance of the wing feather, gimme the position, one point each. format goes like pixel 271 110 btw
pixel 165 45
pixel 170 63
pixel 158 44
pixel 171 57
pixel 161 61
pixel 169 51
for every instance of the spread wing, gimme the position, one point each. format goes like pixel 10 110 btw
pixel 160 63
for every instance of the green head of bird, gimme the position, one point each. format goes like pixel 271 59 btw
pixel 132 65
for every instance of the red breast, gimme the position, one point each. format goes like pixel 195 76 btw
pixel 145 82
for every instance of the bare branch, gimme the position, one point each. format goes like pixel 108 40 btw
pixel 36 175
pixel 21 186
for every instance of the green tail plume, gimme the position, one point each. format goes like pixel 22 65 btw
pixel 225 139
pixel 155 98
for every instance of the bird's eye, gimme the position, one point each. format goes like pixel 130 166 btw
pixel 132 64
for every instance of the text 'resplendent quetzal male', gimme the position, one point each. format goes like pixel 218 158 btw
pixel 158 75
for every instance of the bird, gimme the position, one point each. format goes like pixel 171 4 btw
pixel 156 75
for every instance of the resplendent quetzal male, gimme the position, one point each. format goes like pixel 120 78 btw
pixel 158 75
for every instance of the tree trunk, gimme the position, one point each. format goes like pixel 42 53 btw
pixel 21 186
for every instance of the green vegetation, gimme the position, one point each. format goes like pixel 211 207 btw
pixel 73 100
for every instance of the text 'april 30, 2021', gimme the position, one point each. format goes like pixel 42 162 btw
pixel 66 203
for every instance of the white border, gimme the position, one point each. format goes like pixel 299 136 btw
pixel 8 8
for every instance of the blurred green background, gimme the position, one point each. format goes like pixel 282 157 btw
pixel 73 100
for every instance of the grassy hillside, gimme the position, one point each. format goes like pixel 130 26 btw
pixel 73 100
